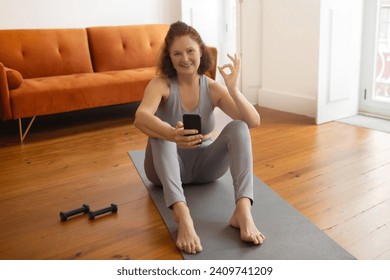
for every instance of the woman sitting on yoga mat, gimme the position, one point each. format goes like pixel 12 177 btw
pixel 175 156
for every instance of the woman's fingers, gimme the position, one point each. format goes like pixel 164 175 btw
pixel 223 67
pixel 234 68
pixel 190 141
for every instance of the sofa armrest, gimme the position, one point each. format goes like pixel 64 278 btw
pixel 5 104
pixel 212 73
pixel 14 78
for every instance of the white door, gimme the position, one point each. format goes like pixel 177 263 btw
pixel 234 26
pixel 215 20
pixel 339 59
pixel 203 16
pixel 375 75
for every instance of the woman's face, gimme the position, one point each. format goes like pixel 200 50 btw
pixel 185 55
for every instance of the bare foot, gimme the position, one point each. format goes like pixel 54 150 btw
pixel 187 239
pixel 243 220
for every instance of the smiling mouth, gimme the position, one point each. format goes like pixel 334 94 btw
pixel 186 65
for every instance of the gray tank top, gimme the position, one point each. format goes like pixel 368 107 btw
pixel 171 111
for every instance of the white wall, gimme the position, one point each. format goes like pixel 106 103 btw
pixel 83 13
pixel 290 54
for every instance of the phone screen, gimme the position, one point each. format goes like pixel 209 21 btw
pixel 192 121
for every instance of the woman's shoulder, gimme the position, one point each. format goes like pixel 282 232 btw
pixel 159 85
pixel 213 83
pixel 159 81
pixel 217 91
pixel 215 87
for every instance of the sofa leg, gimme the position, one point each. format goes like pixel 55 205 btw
pixel 24 134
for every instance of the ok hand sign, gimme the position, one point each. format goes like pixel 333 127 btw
pixel 231 79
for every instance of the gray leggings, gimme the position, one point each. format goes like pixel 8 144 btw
pixel 171 167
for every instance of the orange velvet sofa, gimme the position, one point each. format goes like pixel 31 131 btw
pixel 48 71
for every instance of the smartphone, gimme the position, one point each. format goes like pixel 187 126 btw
pixel 192 121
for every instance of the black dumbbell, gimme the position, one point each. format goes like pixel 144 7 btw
pixel 65 215
pixel 113 208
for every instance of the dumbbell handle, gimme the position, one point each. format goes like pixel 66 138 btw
pixel 113 208
pixel 65 215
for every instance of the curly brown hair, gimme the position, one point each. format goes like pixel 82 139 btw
pixel 164 65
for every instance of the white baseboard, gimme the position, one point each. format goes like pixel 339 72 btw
pixel 287 102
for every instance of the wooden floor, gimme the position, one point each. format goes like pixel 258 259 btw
pixel 335 174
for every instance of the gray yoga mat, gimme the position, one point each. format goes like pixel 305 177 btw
pixel 289 235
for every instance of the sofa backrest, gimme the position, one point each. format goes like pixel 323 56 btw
pixel 125 47
pixel 45 52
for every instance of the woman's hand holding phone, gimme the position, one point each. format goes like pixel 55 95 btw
pixel 186 138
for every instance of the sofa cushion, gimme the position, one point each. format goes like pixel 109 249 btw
pixel 45 52
pixel 50 95
pixel 125 47
pixel 14 78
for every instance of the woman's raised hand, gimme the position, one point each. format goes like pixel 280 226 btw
pixel 231 77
